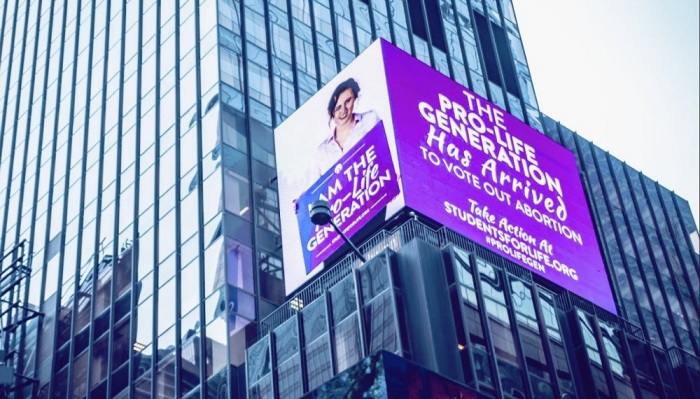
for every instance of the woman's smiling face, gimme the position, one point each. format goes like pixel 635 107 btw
pixel 342 113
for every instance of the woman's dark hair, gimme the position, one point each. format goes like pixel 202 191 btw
pixel 348 84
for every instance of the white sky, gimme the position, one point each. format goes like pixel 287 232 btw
pixel 625 75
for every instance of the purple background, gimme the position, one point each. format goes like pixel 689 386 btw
pixel 427 187
pixel 376 138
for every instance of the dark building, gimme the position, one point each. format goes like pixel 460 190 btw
pixel 140 232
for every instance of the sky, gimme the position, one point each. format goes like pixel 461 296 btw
pixel 623 74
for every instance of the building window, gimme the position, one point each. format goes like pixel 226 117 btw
pixel 495 55
pixel 433 18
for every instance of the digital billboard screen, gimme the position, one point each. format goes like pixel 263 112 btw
pixel 338 146
pixel 450 155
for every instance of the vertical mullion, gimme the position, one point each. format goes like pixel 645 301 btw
pixel 388 6
pixel 331 331
pixel 292 49
pixel 457 286
pixel 3 24
pixel 314 43
pixel 370 12
pixel 448 52
pixel 492 39
pixel 98 202
pixel 334 32
pixel 177 254
pixel 2 42
pixel 133 303
pixel 544 338
pixel 493 362
pixel 69 145
pixel 82 171
pixel 479 51
pixel 199 215
pixel 355 40
pixel 463 51
pixel 37 170
pixel 510 307
pixel 603 353
pixel 57 294
pixel 25 297
pixel 428 36
pixel 117 200
pixel 627 355
pixel 3 119
pixel 409 26
pixel 27 130
pixel 233 377
pixel 10 338
pixel 359 303
pixel 156 199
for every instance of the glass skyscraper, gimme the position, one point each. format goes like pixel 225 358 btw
pixel 140 232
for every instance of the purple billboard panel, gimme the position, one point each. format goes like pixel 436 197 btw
pixel 338 146
pixel 357 188
pixel 478 170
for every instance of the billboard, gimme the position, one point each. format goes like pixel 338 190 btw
pixel 450 155
pixel 338 146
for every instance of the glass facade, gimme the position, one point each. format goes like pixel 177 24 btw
pixel 137 173
pixel 646 234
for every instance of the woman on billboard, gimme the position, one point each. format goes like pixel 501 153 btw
pixel 347 126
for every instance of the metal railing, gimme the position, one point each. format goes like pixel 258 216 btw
pixel 680 357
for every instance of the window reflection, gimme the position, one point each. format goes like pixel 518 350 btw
pixel 121 347
pixel 233 130
pixel 231 67
pixel 216 354
pixel 613 348
pixel 80 370
pixel 188 152
pixel 522 301
pixel 189 220
pixel 549 315
pixel 104 286
pixel 530 337
pixel 166 306
pixel 267 206
pixel 492 288
pixel 509 368
pixel 98 367
pixel 237 194
pixel 209 66
pixel 586 326
pixel 464 275
pixel 190 295
pixel 271 277
pixel 166 231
